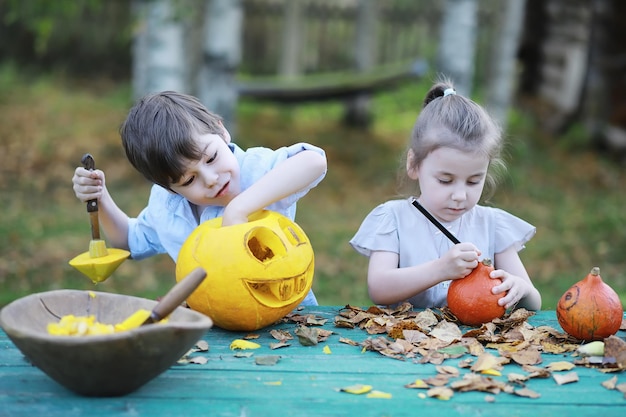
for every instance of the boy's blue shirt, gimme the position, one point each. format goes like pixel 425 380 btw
pixel 166 222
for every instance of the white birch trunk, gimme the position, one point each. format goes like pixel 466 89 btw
pixel 290 62
pixel 457 43
pixel 158 48
pixel 504 60
pixel 358 111
pixel 217 87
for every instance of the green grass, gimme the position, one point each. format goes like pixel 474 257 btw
pixel 572 194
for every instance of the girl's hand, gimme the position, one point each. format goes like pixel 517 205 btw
pixel 460 260
pixel 88 185
pixel 517 288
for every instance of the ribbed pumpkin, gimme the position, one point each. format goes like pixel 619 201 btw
pixel 470 299
pixel 590 309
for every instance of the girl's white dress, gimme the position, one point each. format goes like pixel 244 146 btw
pixel 397 226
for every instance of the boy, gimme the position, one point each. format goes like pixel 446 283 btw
pixel 198 174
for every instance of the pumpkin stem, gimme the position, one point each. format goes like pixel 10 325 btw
pixel 486 261
pixel 595 270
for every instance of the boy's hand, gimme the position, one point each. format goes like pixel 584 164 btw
pixel 88 185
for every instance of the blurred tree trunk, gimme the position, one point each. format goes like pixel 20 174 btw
pixel 158 48
pixel 358 112
pixel 289 65
pixel 217 88
pixel 457 43
pixel 504 60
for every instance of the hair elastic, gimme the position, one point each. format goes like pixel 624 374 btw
pixel 449 91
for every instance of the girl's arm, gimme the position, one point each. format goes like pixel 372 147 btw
pixel 388 284
pixel 515 280
pixel 90 185
pixel 290 176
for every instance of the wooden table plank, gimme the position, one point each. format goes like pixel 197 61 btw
pixel 305 381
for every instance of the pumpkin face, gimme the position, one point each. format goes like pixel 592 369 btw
pixel 257 272
pixel 470 299
pixel 590 309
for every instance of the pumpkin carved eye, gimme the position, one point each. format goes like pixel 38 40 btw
pixel 264 244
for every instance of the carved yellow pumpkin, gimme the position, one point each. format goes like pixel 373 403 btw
pixel 257 272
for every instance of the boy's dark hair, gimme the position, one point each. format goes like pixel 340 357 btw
pixel 159 131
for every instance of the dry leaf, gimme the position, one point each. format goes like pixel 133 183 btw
pixel 536 372
pixel 243 344
pixel 279 345
pixel 610 383
pixel 281 335
pixel 567 378
pixel 307 336
pixel 441 393
pixel 315 321
pixel 528 356
pixel 379 394
pixel 488 361
pixel 447 332
pixel 448 370
pixel 348 341
pixel 475 382
pixel 517 378
pixel 426 319
pixel 560 366
pixel 267 360
pixel 274 383
pixel 418 383
pixel 491 372
pixel 615 348
pixel 438 380
pixel 525 392
pixel 414 336
pixel 357 389
pixel 202 346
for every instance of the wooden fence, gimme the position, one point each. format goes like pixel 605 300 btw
pixel 324 37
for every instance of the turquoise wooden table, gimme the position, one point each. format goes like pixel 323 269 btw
pixel 300 380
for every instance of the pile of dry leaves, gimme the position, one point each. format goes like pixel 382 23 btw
pixel 432 336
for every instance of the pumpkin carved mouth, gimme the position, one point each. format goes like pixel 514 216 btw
pixel 277 292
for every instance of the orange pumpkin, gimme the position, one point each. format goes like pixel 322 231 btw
pixel 470 299
pixel 590 309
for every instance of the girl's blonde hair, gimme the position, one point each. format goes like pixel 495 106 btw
pixel 451 120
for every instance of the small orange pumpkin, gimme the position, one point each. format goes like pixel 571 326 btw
pixel 470 299
pixel 590 309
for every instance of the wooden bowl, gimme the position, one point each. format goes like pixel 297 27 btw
pixel 107 365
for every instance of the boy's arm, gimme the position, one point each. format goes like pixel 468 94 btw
pixel 114 221
pixel 287 178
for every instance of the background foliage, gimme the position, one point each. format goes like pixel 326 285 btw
pixel 64 91
pixel 47 122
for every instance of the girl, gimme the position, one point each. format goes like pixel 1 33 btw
pixel 198 174
pixel 455 145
